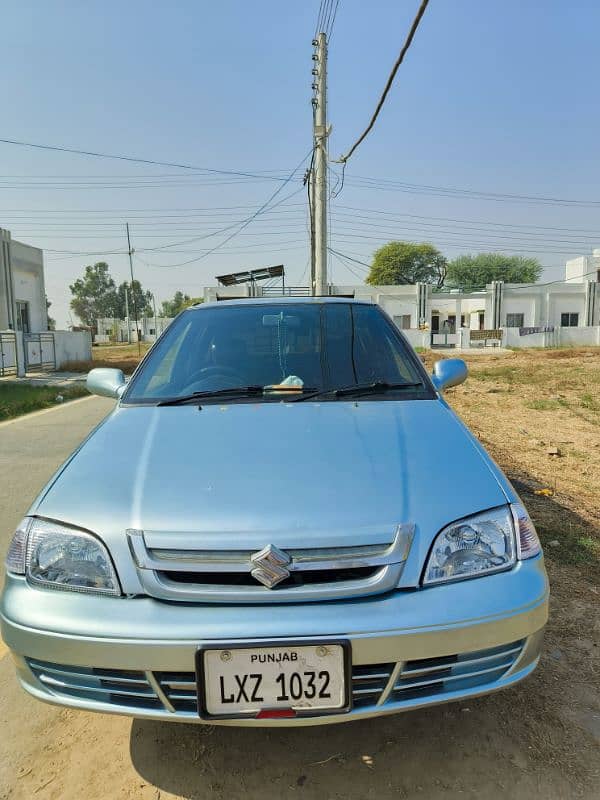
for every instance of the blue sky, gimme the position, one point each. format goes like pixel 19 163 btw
pixel 493 97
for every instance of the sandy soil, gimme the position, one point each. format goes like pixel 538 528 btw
pixel 540 739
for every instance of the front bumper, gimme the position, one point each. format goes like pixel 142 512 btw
pixel 409 648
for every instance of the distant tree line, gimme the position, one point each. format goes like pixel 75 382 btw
pixel 97 296
pixel 407 262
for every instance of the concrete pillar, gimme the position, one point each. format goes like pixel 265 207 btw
pixel 423 291
pixel 497 290
pixel 590 302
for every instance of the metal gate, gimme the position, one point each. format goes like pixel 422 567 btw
pixel 40 351
pixel 441 339
pixel 8 353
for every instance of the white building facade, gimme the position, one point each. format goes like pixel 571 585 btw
pixel 583 268
pixel 122 330
pixel 26 344
pixel 513 315
pixel 22 289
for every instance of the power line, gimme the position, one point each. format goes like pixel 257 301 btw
pixel 392 228
pixel 250 219
pixel 355 260
pixel 380 212
pixel 120 211
pixel 133 159
pixel 390 80
pixel 461 244
pixel 450 191
pixel 334 15
pixel 319 17
pixel 346 265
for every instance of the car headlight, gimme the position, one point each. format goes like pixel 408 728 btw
pixel 477 545
pixel 58 557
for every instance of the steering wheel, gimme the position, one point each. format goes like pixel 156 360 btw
pixel 201 377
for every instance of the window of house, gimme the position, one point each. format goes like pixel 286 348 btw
pixel 515 320
pixel 403 321
pixel 462 320
pixel 23 316
pixel 482 320
pixel 435 323
pixel 569 319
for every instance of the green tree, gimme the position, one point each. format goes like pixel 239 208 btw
pixel 405 263
pixel 180 301
pixel 138 299
pixel 94 295
pixel 475 272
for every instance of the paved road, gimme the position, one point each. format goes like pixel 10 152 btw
pixel 31 449
pixel 467 751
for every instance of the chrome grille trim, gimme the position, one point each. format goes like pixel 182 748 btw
pixel 461 662
pixel 240 560
pixel 157 569
pixel 158 690
pixel 368 683
pixel 467 670
pixel 372 684
pixel 69 672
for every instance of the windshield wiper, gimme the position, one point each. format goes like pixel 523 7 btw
pixel 376 387
pixel 234 391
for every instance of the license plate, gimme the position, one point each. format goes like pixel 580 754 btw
pixel 245 681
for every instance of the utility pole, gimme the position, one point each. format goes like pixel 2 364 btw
pixel 127 315
pixel 135 311
pixel 319 184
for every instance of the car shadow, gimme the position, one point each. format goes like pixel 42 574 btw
pixel 521 741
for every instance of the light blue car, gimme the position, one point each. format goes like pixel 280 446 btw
pixel 281 523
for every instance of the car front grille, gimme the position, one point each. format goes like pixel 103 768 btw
pixel 372 684
pixel 196 573
pixel 432 676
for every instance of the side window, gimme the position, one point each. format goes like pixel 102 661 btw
pixel 403 321
pixel 378 354
pixel 164 373
pixel 515 320
pixel 569 319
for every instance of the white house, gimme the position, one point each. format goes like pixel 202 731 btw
pixel 22 290
pixel 583 268
pixel 122 330
pixel 26 344
pixel 518 315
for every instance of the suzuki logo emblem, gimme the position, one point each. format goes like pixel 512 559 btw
pixel 270 566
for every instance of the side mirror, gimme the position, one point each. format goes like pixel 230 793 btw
pixel 449 372
pixel 106 382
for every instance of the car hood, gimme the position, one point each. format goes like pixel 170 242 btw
pixel 291 474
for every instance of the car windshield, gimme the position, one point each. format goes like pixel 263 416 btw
pixel 278 347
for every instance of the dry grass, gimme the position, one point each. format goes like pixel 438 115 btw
pixel 118 356
pixel 523 407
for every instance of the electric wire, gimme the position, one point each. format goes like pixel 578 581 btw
pixel 249 220
pixel 390 80
pixel 134 159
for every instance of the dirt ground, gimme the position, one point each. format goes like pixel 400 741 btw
pixel 117 356
pixel 538 414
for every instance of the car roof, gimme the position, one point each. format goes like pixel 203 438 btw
pixel 275 300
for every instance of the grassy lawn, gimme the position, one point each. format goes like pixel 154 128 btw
pixel 21 398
